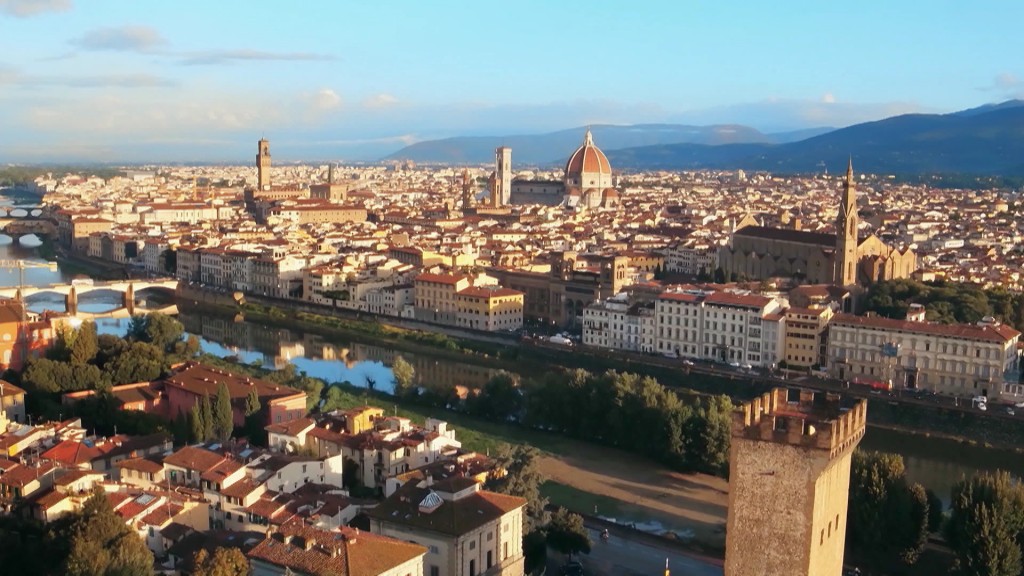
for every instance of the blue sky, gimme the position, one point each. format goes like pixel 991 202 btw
pixel 134 80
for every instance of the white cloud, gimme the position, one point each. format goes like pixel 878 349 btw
pixel 828 98
pixel 131 38
pixel 325 99
pixel 210 57
pixel 27 8
pixel 381 100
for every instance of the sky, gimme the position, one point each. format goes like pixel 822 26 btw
pixel 202 80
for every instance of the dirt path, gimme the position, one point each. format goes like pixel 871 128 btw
pixel 687 504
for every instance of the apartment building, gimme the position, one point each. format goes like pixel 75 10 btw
pixel 490 308
pixel 618 324
pixel 467 531
pixel 959 359
pixel 806 337
pixel 436 297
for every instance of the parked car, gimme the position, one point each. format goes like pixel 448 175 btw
pixel 982 406
pixel 670 355
pixel 572 568
pixel 734 364
pixel 747 367
pixel 1010 411
pixel 688 362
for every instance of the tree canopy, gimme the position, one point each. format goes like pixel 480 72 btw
pixel 888 516
pixel 101 544
pixel 567 534
pixel 986 525
pixel 947 302
pixel 223 562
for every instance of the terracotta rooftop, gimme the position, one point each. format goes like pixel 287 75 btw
pixel 347 552
pixel 788 235
pixel 451 517
pixel 998 333
pixel 194 458
pixel 201 379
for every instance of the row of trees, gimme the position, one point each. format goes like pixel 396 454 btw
pixel 948 302
pixel 618 409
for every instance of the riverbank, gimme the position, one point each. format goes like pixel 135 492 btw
pixel 919 418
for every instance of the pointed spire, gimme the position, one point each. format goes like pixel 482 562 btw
pixel 849 170
pixel 588 140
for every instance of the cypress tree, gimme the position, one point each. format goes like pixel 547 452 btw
pixel 195 423
pixel 223 419
pixel 207 418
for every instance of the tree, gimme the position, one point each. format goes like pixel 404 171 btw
pixel 935 515
pixel 102 544
pixel 500 398
pixel 209 424
pixel 887 522
pixel 141 362
pixel 404 375
pixel 252 402
pixel 223 562
pixel 197 428
pixel 986 520
pixel 521 477
pixel 334 398
pixel 85 345
pixel 157 329
pixel 567 534
pixel 223 419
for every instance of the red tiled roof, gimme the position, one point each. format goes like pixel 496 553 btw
pixel 347 552
pixel 441 278
pixel 1000 333
pixel 194 458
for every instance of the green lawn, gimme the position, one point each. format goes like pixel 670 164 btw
pixel 580 501
pixel 475 433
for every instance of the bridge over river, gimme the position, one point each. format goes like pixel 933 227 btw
pixel 127 288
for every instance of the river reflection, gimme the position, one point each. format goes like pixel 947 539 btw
pixel 357 363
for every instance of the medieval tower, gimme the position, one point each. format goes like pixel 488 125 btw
pixel 503 176
pixel 846 233
pixel 263 165
pixel 789 481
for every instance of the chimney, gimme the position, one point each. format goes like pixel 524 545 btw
pixel 309 543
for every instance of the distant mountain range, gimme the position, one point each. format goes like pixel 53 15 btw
pixel 988 140
pixel 555 147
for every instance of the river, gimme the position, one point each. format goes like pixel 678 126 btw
pixel 935 463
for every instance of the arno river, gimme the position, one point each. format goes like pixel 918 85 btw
pixel 936 463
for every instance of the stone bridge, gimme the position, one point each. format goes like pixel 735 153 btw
pixel 23 226
pixel 72 291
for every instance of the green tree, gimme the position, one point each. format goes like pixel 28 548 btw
pixel 223 418
pixel 567 534
pixel 521 477
pixel 334 398
pixel 986 520
pixel 209 424
pixel 197 427
pixel 935 514
pixel 500 397
pixel 887 521
pixel 85 345
pixel 157 329
pixel 102 544
pixel 252 402
pixel 223 562
pixel 404 375
pixel 141 362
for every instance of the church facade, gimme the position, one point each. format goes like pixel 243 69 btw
pixel 843 259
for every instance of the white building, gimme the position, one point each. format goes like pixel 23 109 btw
pixel 617 324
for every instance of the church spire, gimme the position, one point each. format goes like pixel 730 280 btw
pixel 846 233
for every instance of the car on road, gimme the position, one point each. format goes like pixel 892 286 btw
pixel 1019 405
pixel 670 355
pixel 688 362
pixel 982 406
pixel 573 568
pixel 1010 411
pixel 734 364
pixel 747 367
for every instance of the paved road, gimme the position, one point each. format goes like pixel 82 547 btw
pixel 624 556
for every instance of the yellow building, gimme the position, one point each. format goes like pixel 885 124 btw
pixel 490 308
pixel 359 420
pixel 806 336
pixel 789 482
pixel 436 297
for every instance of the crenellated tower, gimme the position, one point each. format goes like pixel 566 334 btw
pixel 789 482
pixel 846 233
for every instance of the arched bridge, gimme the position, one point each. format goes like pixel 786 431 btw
pixel 22 226
pixel 72 291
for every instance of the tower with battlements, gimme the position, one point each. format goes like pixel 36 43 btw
pixel 789 481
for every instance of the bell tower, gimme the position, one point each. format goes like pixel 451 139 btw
pixel 846 233
pixel 503 175
pixel 263 164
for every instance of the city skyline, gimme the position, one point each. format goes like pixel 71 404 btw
pixel 90 81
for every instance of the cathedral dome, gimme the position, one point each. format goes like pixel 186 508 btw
pixel 588 167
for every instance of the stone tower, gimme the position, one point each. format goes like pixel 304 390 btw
pixel 263 164
pixel 789 480
pixel 846 233
pixel 467 191
pixel 503 175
